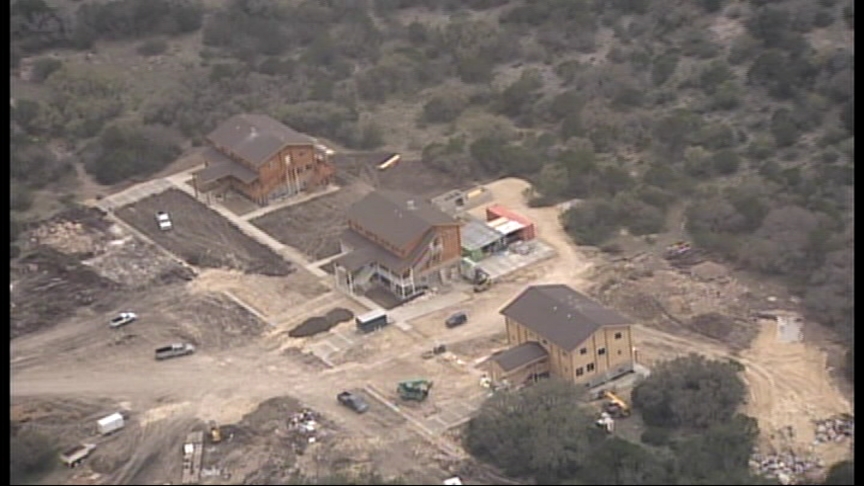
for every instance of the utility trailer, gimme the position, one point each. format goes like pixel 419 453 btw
pixel 110 424
pixel 372 321
pixel 73 457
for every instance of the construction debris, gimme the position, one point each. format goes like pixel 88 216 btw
pixel 787 467
pixel 303 429
pixel 835 429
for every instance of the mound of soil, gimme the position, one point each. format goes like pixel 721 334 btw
pixel 311 327
pixel 713 325
pixel 339 315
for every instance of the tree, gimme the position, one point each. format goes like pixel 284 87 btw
pixel 840 473
pixel 691 392
pixel 592 222
pixel 617 461
pixel 725 162
pixel 128 150
pixel 31 454
pixel 783 128
pixel 443 108
pixel 535 431
pixel 721 451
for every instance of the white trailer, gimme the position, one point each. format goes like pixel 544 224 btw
pixel 111 423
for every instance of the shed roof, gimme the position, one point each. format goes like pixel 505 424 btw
pixel 219 165
pixel 560 314
pixel 477 235
pixel 397 217
pixel 256 138
pixel 519 356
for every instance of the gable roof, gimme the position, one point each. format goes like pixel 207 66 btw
pixel 519 356
pixel 560 314
pixel 397 217
pixel 255 138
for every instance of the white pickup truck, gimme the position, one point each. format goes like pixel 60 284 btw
pixel 122 319
pixel 164 221
pixel 174 350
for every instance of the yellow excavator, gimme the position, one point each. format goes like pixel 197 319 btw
pixel 615 406
pixel 215 433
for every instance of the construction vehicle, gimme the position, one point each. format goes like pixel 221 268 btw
pixel 615 407
pixel 417 390
pixel 215 433
pixel 482 281
pixel 436 350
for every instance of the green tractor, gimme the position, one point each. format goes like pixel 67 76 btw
pixel 417 390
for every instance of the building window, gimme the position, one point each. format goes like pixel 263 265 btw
pixel 583 351
pixel 601 351
pixel 579 371
pixel 618 335
pixel 590 367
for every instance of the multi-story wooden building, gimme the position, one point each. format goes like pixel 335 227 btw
pixel 262 159
pixel 400 241
pixel 554 330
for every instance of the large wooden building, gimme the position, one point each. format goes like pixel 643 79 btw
pixel 262 159
pixel 554 330
pixel 399 241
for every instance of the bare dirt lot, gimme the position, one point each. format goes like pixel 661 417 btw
pixel 409 175
pixel 201 236
pixel 313 227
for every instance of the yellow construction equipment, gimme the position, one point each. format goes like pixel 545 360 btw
pixel 616 407
pixel 215 433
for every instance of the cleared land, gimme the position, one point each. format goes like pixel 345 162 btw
pixel 313 227
pixel 201 236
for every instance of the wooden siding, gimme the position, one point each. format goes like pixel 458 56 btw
pixel 565 364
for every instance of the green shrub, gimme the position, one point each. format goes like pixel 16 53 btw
pixel 663 68
pixel 443 109
pixel 44 67
pixel 20 197
pixel 656 436
pixel 725 162
pixel 31 454
pixel 152 47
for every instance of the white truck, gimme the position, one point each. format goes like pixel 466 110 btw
pixel 110 424
pixel 164 221
pixel 174 350
pixel 122 319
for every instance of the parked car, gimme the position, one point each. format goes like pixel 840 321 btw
pixel 174 350
pixel 353 401
pixel 456 319
pixel 164 221
pixel 122 319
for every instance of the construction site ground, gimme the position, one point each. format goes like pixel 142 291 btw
pixel 68 368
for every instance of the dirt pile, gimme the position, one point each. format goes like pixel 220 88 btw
pixel 48 286
pixel 316 325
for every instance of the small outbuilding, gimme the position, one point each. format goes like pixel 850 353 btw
pixel 512 226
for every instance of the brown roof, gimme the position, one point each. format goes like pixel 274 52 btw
pixel 560 314
pixel 519 356
pixel 255 138
pixel 366 252
pixel 219 165
pixel 397 217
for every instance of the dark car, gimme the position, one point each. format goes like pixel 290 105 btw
pixel 353 401
pixel 456 319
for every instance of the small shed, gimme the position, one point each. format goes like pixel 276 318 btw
pixel 512 225
pixel 479 240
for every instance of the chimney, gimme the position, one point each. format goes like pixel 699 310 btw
pixel 411 205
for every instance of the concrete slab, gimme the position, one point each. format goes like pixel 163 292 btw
pixel 498 266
